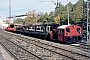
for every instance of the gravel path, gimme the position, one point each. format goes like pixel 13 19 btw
pixel 1 57
pixel 4 55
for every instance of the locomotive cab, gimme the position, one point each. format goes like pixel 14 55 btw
pixel 69 33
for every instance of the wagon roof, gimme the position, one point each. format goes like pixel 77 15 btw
pixel 63 26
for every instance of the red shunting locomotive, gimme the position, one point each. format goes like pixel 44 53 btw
pixel 67 33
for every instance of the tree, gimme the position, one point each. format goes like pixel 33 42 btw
pixel 58 10
pixel 7 21
pixel 19 21
pixel 60 14
pixel 44 18
pixel 57 18
pixel 78 11
pixel 51 13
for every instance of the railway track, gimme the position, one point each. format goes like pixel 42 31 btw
pixel 18 52
pixel 83 47
pixel 73 55
pixel 46 55
pixel 8 50
pixel 42 47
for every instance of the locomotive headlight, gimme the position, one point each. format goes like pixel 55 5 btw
pixel 80 32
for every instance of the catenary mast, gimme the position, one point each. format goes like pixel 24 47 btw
pixel 86 21
pixel 10 10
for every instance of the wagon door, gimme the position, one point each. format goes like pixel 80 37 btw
pixel 61 34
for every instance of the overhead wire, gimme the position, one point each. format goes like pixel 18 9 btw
pixel 2 2
pixel 33 5
pixel 29 6
pixel 23 3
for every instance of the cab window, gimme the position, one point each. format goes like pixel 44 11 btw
pixel 67 30
pixel 78 29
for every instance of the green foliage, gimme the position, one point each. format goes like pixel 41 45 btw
pixel 75 12
pixel 46 17
pixel 7 21
pixel 60 14
pixel 19 20
pixel 34 19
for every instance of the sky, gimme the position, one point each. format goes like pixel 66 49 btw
pixel 19 7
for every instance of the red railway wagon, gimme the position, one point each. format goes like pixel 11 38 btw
pixel 11 27
pixel 69 33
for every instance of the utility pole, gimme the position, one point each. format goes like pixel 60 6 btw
pixel 85 21
pixel 88 2
pixel 68 11
pixel 10 10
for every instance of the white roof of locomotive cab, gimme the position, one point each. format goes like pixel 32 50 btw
pixel 63 26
